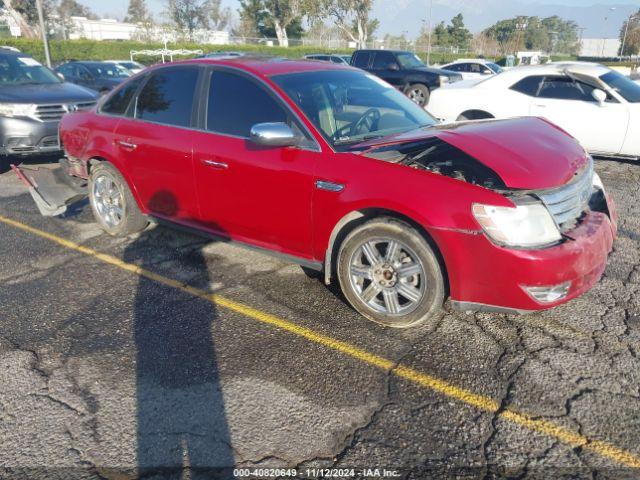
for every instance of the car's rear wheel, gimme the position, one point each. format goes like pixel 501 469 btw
pixel 112 203
pixel 390 274
pixel 418 94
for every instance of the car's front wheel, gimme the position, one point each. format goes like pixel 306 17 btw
pixel 390 274
pixel 112 203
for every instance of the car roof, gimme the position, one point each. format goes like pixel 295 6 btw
pixel 512 75
pixel 268 66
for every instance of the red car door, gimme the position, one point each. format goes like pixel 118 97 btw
pixel 156 144
pixel 255 194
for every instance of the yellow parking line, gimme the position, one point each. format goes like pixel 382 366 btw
pixel 425 380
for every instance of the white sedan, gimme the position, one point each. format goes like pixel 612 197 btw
pixel 473 68
pixel 598 106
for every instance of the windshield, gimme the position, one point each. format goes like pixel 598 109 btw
pixel 409 60
pixel 495 67
pixel 130 65
pixel 349 107
pixel 108 70
pixel 624 86
pixel 15 70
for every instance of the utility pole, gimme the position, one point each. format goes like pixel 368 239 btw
pixel 43 30
pixel 430 27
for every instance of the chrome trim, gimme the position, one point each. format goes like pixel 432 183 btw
pixel 214 164
pixel 463 306
pixel 329 186
pixel 273 134
pixel 53 112
pixel 569 201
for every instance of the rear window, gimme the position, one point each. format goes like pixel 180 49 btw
pixel 361 59
pixel 529 85
pixel 118 101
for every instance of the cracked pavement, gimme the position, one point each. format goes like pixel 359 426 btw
pixel 106 374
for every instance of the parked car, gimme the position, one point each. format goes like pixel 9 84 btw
pixel 331 168
pixel 98 76
pixel 598 106
pixel 323 57
pixel 32 101
pixel 405 71
pixel 473 68
pixel 133 67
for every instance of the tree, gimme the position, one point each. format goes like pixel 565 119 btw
pixel 631 41
pixel 67 9
pixel 219 18
pixel 188 15
pixel 551 34
pixel 281 14
pixel 351 16
pixel 459 35
pixel 137 12
pixel 269 18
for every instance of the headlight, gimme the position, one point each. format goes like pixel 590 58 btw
pixel 520 226
pixel 16 109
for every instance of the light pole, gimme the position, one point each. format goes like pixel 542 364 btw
pixel 430 28
pixel 44 33
pixel 632 17
pixel 604 38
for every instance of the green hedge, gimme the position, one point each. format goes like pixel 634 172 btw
pixel 65 50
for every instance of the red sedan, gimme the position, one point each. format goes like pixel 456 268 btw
pixel 332 168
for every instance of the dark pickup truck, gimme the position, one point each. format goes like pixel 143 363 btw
pixel 405 71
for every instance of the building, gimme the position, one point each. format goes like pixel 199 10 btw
pixel 600 47
pixel 110 29
pixel 103 29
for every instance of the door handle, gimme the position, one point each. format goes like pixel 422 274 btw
pixel 127 145
pixel 215 164
pixel 540 105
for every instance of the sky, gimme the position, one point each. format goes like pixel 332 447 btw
pixel 598 18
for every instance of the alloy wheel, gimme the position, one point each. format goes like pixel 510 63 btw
pixel 387 276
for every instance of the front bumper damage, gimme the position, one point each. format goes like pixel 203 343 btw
pixel 52 188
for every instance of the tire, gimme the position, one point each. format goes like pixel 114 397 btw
pixel 411 269
pixel 418 94
pixel 112 203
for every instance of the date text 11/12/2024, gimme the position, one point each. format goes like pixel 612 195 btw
pixel 315 473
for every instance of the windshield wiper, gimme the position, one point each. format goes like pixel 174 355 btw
pixel 349 141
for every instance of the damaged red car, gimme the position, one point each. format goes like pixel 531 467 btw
pixel 332 168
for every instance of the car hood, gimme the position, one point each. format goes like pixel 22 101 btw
pixel 436 71
pixel 527 153
pixel 46 93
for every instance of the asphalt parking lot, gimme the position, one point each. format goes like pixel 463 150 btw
pixel 164 354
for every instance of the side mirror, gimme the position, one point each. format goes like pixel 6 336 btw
pixel 599 96
pixel 60 76
pixel 393 67
pixel 273 135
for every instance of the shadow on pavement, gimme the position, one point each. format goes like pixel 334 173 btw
pixel 182 426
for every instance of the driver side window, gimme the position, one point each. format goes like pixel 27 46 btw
pixel 565 88
pixel 236 103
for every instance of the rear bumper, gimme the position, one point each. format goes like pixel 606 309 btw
pixel 26 136
pixel 486 277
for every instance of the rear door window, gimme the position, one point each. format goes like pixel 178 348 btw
pixel 167 97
